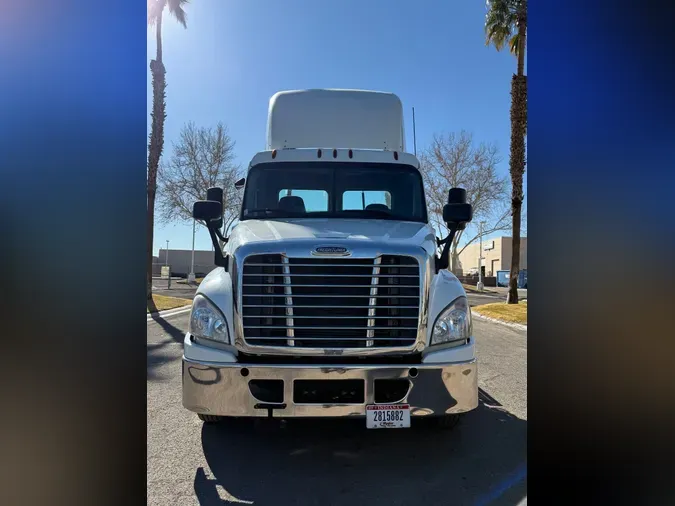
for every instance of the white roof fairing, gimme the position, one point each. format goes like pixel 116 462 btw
pixel 354 119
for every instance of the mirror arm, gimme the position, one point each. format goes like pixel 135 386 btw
pixel 221 236
pixel 444 260
pixel 219 259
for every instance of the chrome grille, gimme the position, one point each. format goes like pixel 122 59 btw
pixel 330 302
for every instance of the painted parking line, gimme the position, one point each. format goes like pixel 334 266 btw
pixel 169 312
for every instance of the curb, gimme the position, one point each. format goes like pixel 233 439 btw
pixel 169 312
pixel 517 326
pixel 484 292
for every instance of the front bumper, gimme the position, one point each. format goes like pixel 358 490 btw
pixel 223 388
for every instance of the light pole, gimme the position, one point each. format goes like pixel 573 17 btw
pixel 191 276
pixel 167 264
pixel 480 285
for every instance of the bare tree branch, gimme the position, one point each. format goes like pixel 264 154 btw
pixel 202 158
pixel 502 224
pixel 455 160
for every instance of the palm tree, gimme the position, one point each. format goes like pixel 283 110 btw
pixel 156 145
pixel 506 22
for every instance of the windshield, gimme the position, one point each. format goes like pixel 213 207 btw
pixel 334 190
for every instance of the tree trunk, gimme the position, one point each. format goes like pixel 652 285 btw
pixel 522 33
pixel 454 255
pixel 454 263
pixel 512 297
pixel 517 169
pixel 517 161
pixel 155 148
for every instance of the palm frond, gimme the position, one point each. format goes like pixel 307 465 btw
pixel 177 10
pixel 497 35
pixel 513 44
pixel 155 9
pixel 500 22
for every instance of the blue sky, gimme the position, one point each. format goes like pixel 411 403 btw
pixel 235 55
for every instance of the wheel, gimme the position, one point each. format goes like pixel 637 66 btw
pixel 209 418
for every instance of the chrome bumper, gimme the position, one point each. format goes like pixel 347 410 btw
pixel 223 389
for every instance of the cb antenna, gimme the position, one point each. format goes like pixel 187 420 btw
pixel 414 133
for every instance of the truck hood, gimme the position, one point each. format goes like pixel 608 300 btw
pixel 388 231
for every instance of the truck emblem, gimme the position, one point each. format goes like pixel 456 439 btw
pixel 333 352
pixel 331 251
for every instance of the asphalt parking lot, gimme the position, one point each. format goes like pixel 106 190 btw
pixel 177 289
pixel 483 461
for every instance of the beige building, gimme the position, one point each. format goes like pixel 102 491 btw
pixel 180 261
pixel 496 256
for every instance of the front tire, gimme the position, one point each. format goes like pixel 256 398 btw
pixel 444 422
pixel 210 418
pixel 447 422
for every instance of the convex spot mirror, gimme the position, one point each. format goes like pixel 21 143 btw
pixel 207 210
pixel 457 212
pixel 240 183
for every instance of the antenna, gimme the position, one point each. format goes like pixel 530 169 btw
pixel 414 133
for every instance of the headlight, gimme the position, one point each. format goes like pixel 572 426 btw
pixel 206 321
pixel 453 324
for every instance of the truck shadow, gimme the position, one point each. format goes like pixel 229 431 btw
pixel 156 358
pixel 482 461
pixel 174 332
pixel 157 353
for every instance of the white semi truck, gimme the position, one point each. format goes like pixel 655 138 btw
pixel 330 298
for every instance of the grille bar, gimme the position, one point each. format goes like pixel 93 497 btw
pixel 302 302
pixel 289 301
pixel 369 266
pixel 333 295
pixel 344 275
pixel 321 328
pixel 327 286
pixel 336 317
pixel 341 339
pixel 340 307
pixel 371 312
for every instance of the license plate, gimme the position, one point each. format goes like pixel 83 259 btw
pixel 388 416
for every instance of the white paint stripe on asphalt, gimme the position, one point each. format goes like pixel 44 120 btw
pixel 178 310
pixel 170 312
pixel 494 320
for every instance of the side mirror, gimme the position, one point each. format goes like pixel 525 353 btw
pixel 457 213
pixel 216 194
pixel 240 184
pixel 207 210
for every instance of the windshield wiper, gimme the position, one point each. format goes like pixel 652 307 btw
pixel 272 213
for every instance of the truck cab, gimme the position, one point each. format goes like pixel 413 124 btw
pixel 330 298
